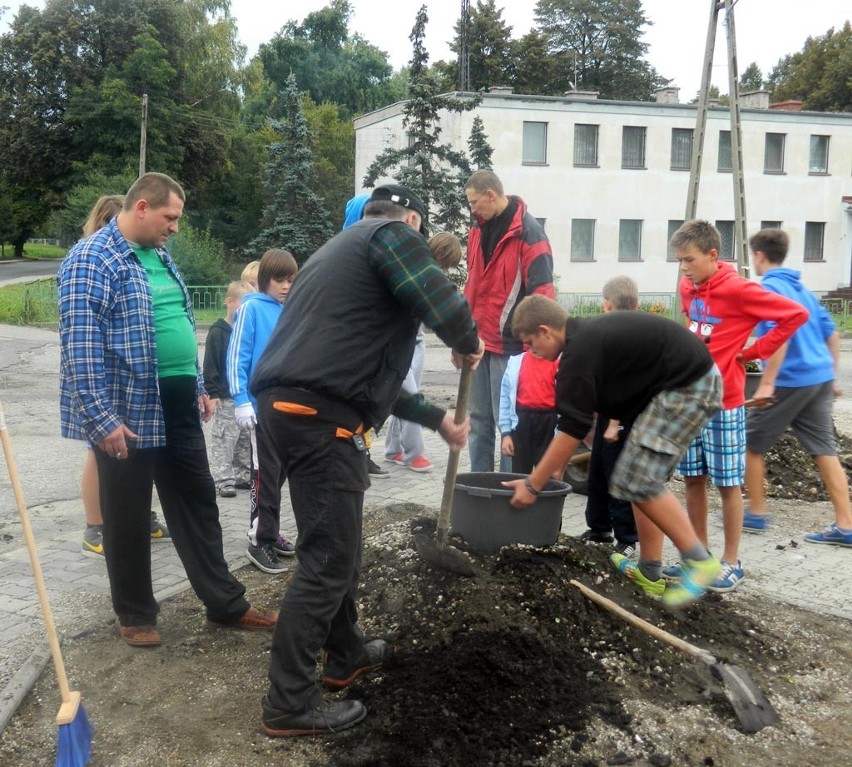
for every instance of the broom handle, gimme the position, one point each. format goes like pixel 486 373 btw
pixel 64 689
pixel 643 625
pixel 453 458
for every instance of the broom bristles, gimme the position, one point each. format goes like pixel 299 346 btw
pixel 75 741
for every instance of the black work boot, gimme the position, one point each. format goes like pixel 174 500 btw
pixel 337 676
pixel 323 719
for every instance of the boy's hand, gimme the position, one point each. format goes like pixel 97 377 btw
pixel 245 416
pixel 522 497
pixel 507 446
pixel 454 434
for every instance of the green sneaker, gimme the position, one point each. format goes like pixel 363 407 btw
pixel 697 576
pixel 627 567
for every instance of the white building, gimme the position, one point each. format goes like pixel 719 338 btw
pixel 609 178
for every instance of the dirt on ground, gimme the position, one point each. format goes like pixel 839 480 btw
pixel 511 668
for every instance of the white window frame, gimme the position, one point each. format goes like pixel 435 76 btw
pixel 633 139
pixel 588 239
pixel 586 137
pixel 534 148
pixel 630 239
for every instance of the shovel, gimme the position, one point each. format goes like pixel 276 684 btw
pixel 751 706
pixel 435 551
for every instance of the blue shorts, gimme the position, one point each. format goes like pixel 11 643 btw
pixel 719 451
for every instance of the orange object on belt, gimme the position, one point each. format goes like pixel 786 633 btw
pixel 346 434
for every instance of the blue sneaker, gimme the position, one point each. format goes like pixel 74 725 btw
pixel 729 577
pixel 673 572
pixel 756 523
pixel 832 535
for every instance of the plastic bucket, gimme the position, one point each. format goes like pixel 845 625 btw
pixel 481 513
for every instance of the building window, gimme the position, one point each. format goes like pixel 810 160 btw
pixel 583 239
pixel 771 224
pixel 818 162
pixel 814 237
pixel 633 147
pixel 586 145
pixel 674 225
pixel 726 230
pixel 773 156
pixel 724 151
pixel 681 148
pixel 630 239
pixel 535 144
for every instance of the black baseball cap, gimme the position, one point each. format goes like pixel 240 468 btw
pixel 402 195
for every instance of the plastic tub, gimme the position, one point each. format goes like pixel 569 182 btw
pixel 481 513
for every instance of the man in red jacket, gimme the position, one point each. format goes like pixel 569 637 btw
pixel 508 258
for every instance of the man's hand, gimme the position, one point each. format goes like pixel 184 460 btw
pixel 245 416
pixel 206 407
pixel 454 434
pixel 472 359
pixel 522 497
pixel 115 443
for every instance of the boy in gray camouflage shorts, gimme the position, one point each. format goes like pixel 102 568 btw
pixel 631 366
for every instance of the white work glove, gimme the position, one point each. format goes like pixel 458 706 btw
pixel 245 416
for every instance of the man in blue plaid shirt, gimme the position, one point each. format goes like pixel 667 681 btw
pixel 130 384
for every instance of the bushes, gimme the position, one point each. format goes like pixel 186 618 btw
pixel 200 258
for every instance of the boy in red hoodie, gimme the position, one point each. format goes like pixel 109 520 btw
pixel 723 309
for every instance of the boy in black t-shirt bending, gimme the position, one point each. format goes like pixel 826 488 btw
pixel 631 366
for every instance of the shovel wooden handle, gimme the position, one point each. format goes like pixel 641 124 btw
pixel 643 625
pixel 453 459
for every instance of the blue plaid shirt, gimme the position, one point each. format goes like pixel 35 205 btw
pixel 108 352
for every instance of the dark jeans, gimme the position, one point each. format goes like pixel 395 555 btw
pixel 327 476
pixel 188 496
pixel 603 512
pixel 531 437
pixel 266 482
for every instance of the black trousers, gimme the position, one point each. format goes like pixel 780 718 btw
pixel 531 437
pixel 327 476
pixel 603 512
pixel 188 496
pixel 266 482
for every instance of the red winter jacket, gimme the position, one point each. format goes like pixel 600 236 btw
pixel 724 311
pixel 521 265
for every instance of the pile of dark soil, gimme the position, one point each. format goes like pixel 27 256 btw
pixel 792 473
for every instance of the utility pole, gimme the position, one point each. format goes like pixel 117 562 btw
pixel 740 224
pixel 143 138
pixel 464 54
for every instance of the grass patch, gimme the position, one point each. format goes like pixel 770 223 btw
pixel 34 250
pixel 31 303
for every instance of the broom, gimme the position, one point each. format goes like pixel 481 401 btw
pixel 75 733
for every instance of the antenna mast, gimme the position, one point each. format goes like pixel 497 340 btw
pixel 464 55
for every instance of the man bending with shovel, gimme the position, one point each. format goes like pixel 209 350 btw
pixel 333 368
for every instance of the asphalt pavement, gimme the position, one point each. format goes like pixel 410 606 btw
pixel 49 467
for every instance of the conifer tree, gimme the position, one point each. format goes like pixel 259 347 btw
pixel 295 218
pixel 478 146
pixel 428 167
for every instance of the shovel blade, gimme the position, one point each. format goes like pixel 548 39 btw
pixel 752 707
pixel 442 557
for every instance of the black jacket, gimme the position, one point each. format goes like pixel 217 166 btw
pixel 215 352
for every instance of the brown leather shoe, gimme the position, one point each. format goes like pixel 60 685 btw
pixel 251 620
pixel 138 636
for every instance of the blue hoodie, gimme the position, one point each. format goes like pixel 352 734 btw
pixel 253 325
pixel 808 361
pixel 355 209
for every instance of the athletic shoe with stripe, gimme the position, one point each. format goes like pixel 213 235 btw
pixel 729 577
pixel 697 577
pixel 93 542
pixel 832 535
pixel 625 566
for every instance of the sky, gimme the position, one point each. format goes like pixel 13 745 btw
pixel 676 38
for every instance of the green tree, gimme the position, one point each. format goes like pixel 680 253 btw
pixel 489 47
pixel 535 70
pixel 199 256
pixel 295 217
pixel 820 75
pixel 478 147
pixel 600 40
pixel 431 169
pixel 751 78
pixel 329 63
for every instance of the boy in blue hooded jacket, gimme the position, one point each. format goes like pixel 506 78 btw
pixel 801 376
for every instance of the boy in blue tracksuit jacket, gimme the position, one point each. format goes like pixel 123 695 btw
pixel 253 325
pixel 803 383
